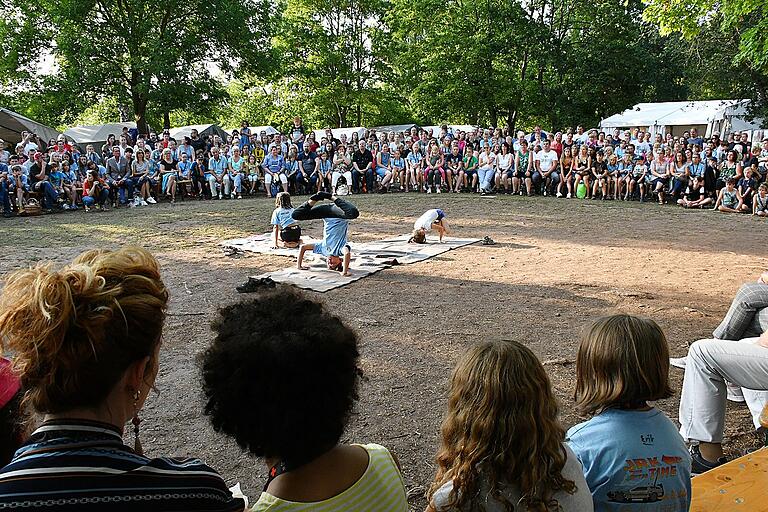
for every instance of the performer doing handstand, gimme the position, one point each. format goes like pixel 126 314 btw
pixel 336 219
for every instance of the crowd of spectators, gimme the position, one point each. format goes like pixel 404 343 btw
pixel 725 174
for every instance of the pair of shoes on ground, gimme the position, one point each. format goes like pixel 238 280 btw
pixel 254 284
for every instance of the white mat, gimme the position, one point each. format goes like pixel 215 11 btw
pixel 262 244
pixel 367 258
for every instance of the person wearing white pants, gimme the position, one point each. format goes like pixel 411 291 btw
pixel 715 365
pixel 273 166
pixel 218 179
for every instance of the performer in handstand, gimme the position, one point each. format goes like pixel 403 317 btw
pixel 336 219
pixel 431 219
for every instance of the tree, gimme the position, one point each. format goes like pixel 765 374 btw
pixel 743 22
pixel 147 55
pixel 328 60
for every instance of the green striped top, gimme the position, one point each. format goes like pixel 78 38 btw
pixel 380 489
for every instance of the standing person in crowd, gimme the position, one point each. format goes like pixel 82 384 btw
pixel 362 161
pixel 501 443
pixel 296 428
pixel 334 246
pixel 86 343
pixel 621 365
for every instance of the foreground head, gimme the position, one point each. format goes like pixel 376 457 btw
pixel 623 362
pixel 86 332
pixel 282 385
pixel 502 415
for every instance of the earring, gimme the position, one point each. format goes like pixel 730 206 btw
pixel 136 421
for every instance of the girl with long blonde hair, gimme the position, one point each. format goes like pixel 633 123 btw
pixel 502 446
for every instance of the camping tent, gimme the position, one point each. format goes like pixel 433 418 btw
pixel 96 134
pixel 734 119
pixel 673 117
pixel 397 128
pixel 12 124
pixel 454 128
pixel 202 129
pixel 319 134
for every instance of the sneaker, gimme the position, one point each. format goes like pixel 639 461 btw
pixel 545 193
pixel 678 362
pixel 559 194
pixel 439 190
pixel 734 393
pixel 568 196
pixel 151 200
pixel 144 203
pixel 701 465
pixel 429 190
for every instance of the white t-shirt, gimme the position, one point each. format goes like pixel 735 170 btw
pixel 580 501
pixel 545 159
pixel 427 219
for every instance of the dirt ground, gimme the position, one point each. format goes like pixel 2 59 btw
pixel 558 264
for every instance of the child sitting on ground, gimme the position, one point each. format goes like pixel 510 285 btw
pixel 434 218
pixel 729 199
pixel 628 446
pixel 760 201
pixel 281 378
pixel 502 446
pixel 286 231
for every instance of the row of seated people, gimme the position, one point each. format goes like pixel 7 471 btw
pixel 85 342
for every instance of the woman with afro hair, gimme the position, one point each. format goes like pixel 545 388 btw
pixel 283 387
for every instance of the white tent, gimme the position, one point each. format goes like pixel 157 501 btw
pixel 96 134
pixel 360 130
pixel 454 128
pixel 734 119
pixel 397 128
pixel 12 124
pixel 202 129
pixel 672 116
pixel 255 130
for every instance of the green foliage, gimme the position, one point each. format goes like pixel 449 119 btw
pixel 739 24
pixel 147 55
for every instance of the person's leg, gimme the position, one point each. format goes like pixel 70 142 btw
pixel 334 179
pixel 130 187
pixel 268 184
pixel 103 197
pixel 227 183
pixel 88 201
pixel 50 197
pixel 340 209
pixel 739 321
pixel 702 404
pixel 238 182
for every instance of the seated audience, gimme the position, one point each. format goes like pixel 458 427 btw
pixel 86 346
pixel 283 386
pixel 628 446
pixel 502 446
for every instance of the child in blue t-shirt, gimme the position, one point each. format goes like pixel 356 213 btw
pixel 632 454
pixel 286 231
pixel 336 219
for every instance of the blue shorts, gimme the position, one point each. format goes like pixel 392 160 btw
pixel 381 171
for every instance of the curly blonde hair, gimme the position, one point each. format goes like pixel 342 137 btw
pixel 502 418
pixel 74 331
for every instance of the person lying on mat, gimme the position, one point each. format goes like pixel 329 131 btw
pixel 434 218
pixel 336 219
pixel 286 231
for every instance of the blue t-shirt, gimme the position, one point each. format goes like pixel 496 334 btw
pixel 334 237
pixel 218 167
pixel 632 459
pixel 283 217
pixel 56 178
pixel 274 165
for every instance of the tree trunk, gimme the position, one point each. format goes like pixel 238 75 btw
pixel 166 120
pixel 140 114
pixel 511 121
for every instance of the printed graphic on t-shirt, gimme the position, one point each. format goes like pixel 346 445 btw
pixel 644 479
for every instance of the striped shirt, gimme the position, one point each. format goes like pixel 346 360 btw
pixel 380 489
pixel 84 466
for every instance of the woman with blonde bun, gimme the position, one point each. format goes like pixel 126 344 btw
pixel 85 342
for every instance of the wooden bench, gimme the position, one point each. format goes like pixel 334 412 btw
pixel 740 485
